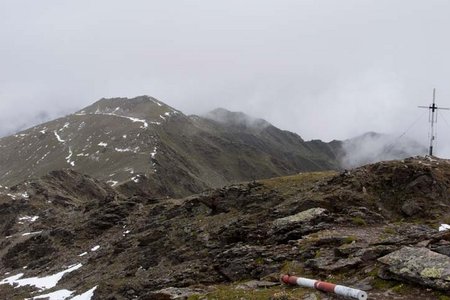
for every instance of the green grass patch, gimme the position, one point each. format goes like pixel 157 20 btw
pixel 292 267
pixel 290 185
pixel 443 297
pixel 350 239
pixel 389 230
pixel 358 221
pixel 259 261
pixel 230 292
pixel 400 289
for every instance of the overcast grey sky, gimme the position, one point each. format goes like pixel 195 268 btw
pixel 324 69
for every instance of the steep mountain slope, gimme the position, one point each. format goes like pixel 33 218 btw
pixel 129 141
pixel 348 228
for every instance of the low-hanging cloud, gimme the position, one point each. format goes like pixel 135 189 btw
pixel 239 119
pixel 373 147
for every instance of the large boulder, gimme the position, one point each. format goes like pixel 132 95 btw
pixel 418 265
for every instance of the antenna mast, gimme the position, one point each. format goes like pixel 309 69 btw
pixel 433 119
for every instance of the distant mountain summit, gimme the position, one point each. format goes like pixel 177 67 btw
pixel 128 141
pixel 107 139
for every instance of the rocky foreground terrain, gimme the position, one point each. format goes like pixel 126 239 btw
pixel 374 228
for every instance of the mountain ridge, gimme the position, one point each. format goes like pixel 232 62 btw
pixel 118 139
pixel 125 140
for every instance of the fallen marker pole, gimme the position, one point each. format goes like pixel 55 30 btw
pixel 325 287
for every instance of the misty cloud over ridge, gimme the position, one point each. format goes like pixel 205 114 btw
pixel 374 147
pixel 227 117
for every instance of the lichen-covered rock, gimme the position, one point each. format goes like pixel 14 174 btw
pixel 302 217
pixel 419 265
pixel 296 226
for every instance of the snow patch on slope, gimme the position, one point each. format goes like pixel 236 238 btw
pixel 132 119
pixel 31 233
pixel 70 162
pixel 86 295
pixel 65 294
pixel 95 248
pixel 153 154
pixel 134 150
pixel 58 137
pixel 28 219
pixel 112 182
pixel 444 227
pixel 56 295
pixel 42 283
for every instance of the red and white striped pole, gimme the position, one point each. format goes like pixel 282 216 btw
pixel 325 287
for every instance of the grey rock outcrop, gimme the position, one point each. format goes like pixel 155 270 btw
pixel 418 265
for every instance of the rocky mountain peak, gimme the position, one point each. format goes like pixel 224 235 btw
pixel 139 107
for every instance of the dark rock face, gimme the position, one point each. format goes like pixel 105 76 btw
pixel 443 247
pixel 33 252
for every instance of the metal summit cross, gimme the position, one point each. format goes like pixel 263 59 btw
pixel 433 119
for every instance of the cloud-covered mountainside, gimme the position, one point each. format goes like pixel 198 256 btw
pixel 129 141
